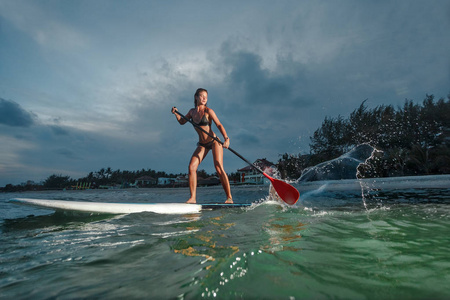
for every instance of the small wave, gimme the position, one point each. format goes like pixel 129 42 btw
pixel 322 213
pixel 179 221
pixel 110 244
pixel 174 234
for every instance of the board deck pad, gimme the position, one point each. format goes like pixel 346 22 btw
pixel 124 208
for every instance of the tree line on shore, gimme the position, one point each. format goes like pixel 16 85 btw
pixel 105 177
pixel 413 140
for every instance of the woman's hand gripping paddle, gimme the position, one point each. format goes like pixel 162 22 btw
pixel 287 192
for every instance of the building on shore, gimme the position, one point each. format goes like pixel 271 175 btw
pixel 145 181
pixel 249 175
pixel 180 181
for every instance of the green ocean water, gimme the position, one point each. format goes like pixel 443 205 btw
pixel 343 240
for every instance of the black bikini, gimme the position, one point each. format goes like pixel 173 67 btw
pixel 207 145
pixel 205 122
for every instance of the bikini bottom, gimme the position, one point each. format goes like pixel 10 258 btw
pixel 207 145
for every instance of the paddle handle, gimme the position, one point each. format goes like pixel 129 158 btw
pixel 219 141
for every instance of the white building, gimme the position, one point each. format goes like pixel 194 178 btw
pixel 249 175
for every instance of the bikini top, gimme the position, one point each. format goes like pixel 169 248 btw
pixel 204 121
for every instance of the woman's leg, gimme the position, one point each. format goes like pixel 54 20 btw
pixel 218 164
pixel 196 159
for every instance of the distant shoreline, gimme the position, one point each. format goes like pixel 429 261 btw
pixel 421 182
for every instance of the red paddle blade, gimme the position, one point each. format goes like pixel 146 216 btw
pixel 287 192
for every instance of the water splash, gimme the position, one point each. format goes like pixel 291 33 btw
pixel 353 165
pixel 343 167
pixel 365 186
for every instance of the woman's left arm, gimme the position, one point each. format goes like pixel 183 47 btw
pixel 219 125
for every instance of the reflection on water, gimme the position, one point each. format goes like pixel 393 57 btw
pixel 204 242
pixel 283 236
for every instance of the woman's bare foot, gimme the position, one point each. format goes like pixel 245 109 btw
pixel 191 201
pixel 229 201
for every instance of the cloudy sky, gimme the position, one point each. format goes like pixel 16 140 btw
pixel 88 84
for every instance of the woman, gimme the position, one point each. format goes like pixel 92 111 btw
pixel 204 116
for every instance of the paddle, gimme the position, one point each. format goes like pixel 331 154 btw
pixel 287 192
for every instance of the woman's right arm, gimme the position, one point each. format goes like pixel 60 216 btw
pixel 181 120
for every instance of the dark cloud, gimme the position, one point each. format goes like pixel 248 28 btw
pixel 12 114
pixel 59 130
pixel 246 139
pixel 262 86
pixel 67 153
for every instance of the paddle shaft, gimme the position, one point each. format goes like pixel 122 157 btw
pixel 219 141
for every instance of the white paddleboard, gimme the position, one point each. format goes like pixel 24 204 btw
pixel 122 208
